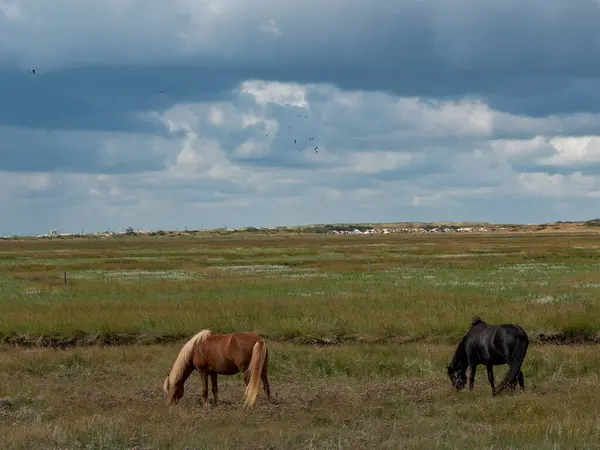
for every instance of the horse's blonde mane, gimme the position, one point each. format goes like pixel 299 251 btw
pixel 185 354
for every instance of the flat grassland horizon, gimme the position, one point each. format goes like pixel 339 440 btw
pixel 561 226
pixel 360 330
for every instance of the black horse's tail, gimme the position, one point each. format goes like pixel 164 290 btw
pixel 513 371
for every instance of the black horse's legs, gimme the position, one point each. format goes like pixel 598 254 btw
pixel 473 369
pixel 490 373
pixel 521 379
pixel 513 384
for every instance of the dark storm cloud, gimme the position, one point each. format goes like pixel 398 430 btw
pixel 532 57
pixel 104 98
pixel 24 149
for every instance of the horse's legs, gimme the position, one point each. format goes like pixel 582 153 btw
pixel 213 382
pixel 490 373
pixel 513 384
pixel 244 370
pixel 521 380
pixel 473 368
pixel 265 382
pixel 204 376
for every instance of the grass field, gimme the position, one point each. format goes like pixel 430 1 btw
pixel 390 307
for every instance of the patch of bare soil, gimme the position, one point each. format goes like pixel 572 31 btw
pixel 571 337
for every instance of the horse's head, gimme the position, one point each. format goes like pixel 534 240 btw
pixel 458 378
pixel 173 392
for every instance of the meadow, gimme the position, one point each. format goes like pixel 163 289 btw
pixel 360 330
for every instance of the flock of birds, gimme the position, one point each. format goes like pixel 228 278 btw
pixel 290 127
pixel 296 140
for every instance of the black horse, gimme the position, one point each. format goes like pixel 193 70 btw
pixel 490 345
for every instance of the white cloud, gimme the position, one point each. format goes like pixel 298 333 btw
pixel 560 186
pixel 380 157
pixel 38 182
pixel 201 157
pixel 573 150
pixel 10 10
pixel 375 162
pixel 12 184
pixel 428 200
pixel 581 153
pixel 216 116
pixel 472 118
pixel 519 147
pixel 286 94
pixel 251 148
pixel 270 27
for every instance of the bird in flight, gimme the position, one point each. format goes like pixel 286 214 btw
pixel 296 140
pixel 33 71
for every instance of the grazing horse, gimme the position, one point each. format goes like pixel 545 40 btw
pixel 225 354
pixel 489 345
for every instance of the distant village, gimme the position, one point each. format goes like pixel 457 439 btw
pixel 414 230
pixel 336 229
pixel 323 230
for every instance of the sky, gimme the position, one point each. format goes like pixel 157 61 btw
pixel 167 114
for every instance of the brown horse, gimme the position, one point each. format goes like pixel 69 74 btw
pixel 224 354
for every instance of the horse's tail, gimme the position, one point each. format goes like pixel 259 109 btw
pixel 513 371
pixel 257 362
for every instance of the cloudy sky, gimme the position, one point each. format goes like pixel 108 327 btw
pixel 155 113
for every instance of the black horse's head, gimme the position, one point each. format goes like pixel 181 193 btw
pixel 458 378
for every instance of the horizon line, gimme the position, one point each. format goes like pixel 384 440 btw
pixel 296 227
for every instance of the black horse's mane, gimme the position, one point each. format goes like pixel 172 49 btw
pixel 475 321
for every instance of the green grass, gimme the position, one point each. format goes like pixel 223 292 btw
pixel 390 289
pixel 394 287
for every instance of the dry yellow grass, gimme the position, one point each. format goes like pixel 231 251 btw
pixel 354 397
